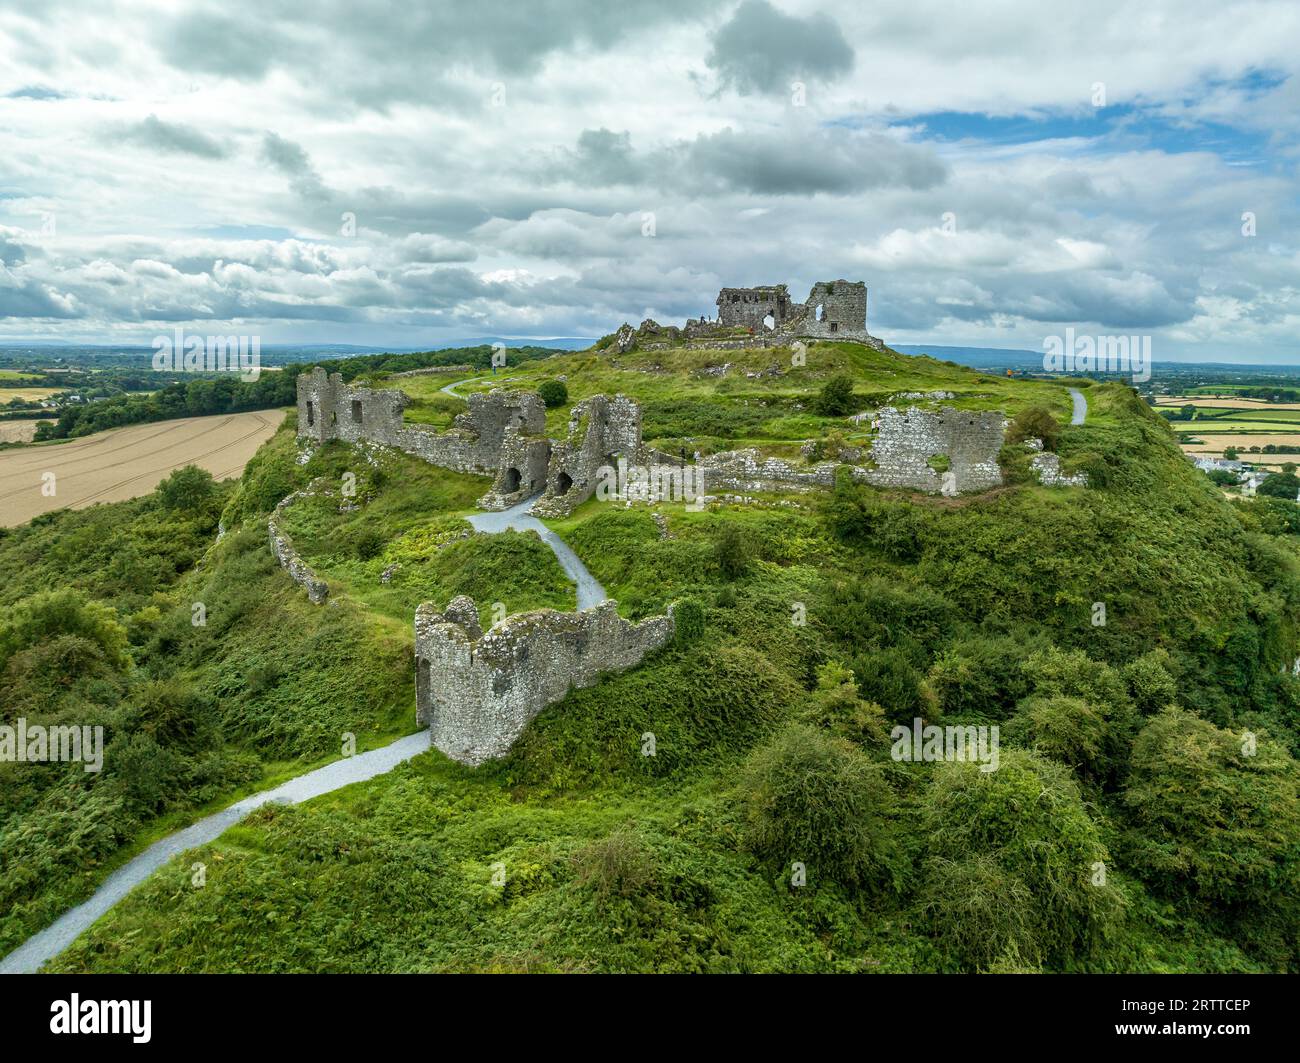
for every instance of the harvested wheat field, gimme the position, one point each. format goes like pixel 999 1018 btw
pixel 127 462
pixel 17 431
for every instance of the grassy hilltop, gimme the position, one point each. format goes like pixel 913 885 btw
pixel 1144 816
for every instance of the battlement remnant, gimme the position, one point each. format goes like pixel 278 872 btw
pixel 477 691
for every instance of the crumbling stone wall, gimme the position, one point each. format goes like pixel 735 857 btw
pixel 748 470
pixel 908 439
pixel 290 560
pixel 476 692
pixel 521 470
pixel 601 430
pixel 330 409
pixel 748 307
pixel 1047 467
pixel 834 310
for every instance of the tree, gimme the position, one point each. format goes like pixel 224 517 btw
pixel 189 488
pixel 553 393
pixel 836 397
pixel 1281 485
pixel 1230 453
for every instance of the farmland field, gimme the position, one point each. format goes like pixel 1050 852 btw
pixel 127 462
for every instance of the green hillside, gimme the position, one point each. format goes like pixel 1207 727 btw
pixel 1144 816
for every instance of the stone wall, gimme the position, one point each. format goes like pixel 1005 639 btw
pixel 834 310
pixel 747 307
pixel 521 470
pixel 282 549
pixel 330 409
pixel 906 440
pixel 476 692
pixel 601 430
pixel 1047 467
pixel 748 470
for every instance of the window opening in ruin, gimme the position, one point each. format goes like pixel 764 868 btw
pixel 821 312
pixel 769 322
pixel 835 326
pixel 356 411
pixel 311 413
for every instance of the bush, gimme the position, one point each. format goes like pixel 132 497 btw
pixel 553 393
pixel 816 800
pixel 1069 730
pixel 1210 818
pixel 734 551
pixel 187 489
pixel 1035 423
pixel 836 397
pixel 1015 849
pixel 980 676
pixel 688 617
pixel 618 865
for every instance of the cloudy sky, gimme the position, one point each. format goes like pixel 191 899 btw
pixel 374 172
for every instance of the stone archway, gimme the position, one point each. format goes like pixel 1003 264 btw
pixel 562 483
pixel 512 481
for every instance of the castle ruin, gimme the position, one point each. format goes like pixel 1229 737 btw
pixel 834 310
pixel 477 690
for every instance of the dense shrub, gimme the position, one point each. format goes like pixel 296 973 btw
pixel 1016 849
pixel 836 397
pixel 1034 423
pixel 1214 815
pixel 188 488
pixel 554 393
pixel 815 800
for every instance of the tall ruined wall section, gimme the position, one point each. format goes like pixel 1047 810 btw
pixel 477 692
pixel 908 439
pixel 843 312
pixel 834 310
pixel 601 429
pixel 330 409
pixel 747 307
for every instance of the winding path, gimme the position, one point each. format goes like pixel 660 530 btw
pixel 44 946
pixel 1080 406
pixel 520 518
